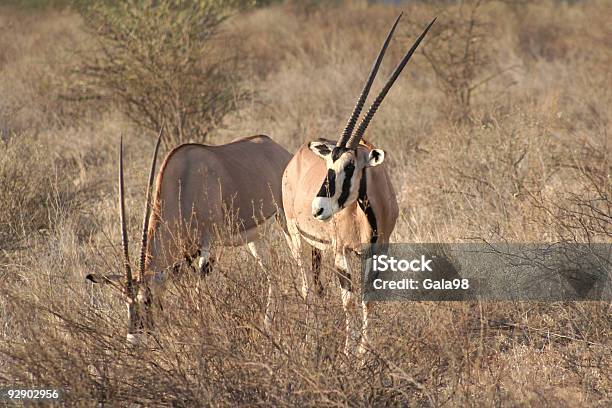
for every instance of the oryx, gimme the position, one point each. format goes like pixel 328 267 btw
pixel 203 193
pixel 338 196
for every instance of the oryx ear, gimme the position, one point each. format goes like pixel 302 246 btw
pixel 95 278
pixel 321 149
pixel 376 157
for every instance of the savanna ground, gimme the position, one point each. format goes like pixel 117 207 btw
pixel 505 139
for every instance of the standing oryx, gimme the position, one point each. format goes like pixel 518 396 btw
pixel 343 184
pixel 203 193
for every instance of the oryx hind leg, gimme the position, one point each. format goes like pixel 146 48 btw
pixel 205 262
pixel 259 250
pixel 348 302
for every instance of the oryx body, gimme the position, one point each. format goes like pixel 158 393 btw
pixel 204 194
pixel 221 193
pixel 338 196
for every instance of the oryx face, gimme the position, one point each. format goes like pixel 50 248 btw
pixel 140 319
pixel 345 168
pixel 148 296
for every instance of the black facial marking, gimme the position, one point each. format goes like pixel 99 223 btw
pixel 323 149
pixel 337 152
pixel 349 169
pixel 138 325
pixel 328 188
pixel 147 297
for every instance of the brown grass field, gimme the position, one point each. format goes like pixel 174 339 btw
pixel 525 159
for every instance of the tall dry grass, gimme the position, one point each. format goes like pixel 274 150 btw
pixel 532 163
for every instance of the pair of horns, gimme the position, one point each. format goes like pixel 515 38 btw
pixel 145 221
pixel 350 139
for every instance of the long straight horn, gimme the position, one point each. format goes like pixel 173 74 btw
pixel 124 237
pixel 147 208
pixel 366 88
pixel 354 140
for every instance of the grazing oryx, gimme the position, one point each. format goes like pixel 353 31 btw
pixel 336 195
pixel 225 193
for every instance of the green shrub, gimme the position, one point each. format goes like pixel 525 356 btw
pixel 162 63
pixel 460 54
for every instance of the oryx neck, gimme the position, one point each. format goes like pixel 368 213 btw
pixel 366 206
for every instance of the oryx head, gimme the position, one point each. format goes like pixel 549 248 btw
pixel 138 293
pixel 345 162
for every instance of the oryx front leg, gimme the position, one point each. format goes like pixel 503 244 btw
pixel 365 335
pixel 258 251
pixel 346 289
pixel 366 306
pixel 316 271
pixel 295 245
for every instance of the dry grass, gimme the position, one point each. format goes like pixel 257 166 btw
pixel 531 164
